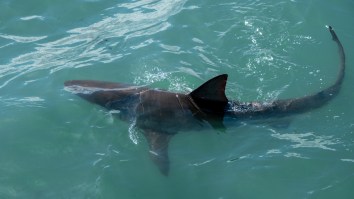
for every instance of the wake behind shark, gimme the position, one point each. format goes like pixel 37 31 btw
pixel 161 114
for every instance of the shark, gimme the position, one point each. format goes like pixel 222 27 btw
pixel 160 115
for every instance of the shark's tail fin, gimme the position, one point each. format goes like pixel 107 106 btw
pixel 318 99
pixel 341 56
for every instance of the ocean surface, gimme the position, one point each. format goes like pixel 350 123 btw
pixel 55 145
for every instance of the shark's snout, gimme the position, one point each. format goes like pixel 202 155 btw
pixel 68 83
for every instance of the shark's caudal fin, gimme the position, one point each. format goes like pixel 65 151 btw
pixel 341 57
pixel 318 99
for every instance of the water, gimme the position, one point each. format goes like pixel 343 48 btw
pixel 55 145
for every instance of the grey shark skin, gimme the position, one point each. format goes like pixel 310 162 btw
pixel 161 114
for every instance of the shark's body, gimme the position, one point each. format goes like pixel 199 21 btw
pixel 161 114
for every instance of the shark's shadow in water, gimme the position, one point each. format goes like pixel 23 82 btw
pixel 161 114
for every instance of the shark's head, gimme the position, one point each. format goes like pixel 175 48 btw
pixel 101 92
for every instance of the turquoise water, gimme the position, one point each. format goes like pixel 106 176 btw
pixel 55 145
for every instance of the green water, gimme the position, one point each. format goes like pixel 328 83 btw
pixel 55 145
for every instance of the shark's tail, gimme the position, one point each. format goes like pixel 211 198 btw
pixel 341 56
pixel 319 99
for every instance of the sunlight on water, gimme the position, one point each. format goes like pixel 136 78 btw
pixel 23 102
pixel 22 39
pixel 86 44
pixel 307 140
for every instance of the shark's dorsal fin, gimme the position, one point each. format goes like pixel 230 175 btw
pixel 158 145
pixel 210 97
pixel 212 90
pixel 211 100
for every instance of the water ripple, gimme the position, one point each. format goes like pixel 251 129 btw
pixel 20 39
pixel 83 45
pixel 32 101
pixel 307 140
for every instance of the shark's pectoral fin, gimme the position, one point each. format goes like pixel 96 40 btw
pixel 218 124
pixel 158 144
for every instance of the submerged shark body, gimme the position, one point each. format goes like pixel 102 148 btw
pixel 161 114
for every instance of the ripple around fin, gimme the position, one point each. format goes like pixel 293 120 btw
pixel 133 133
